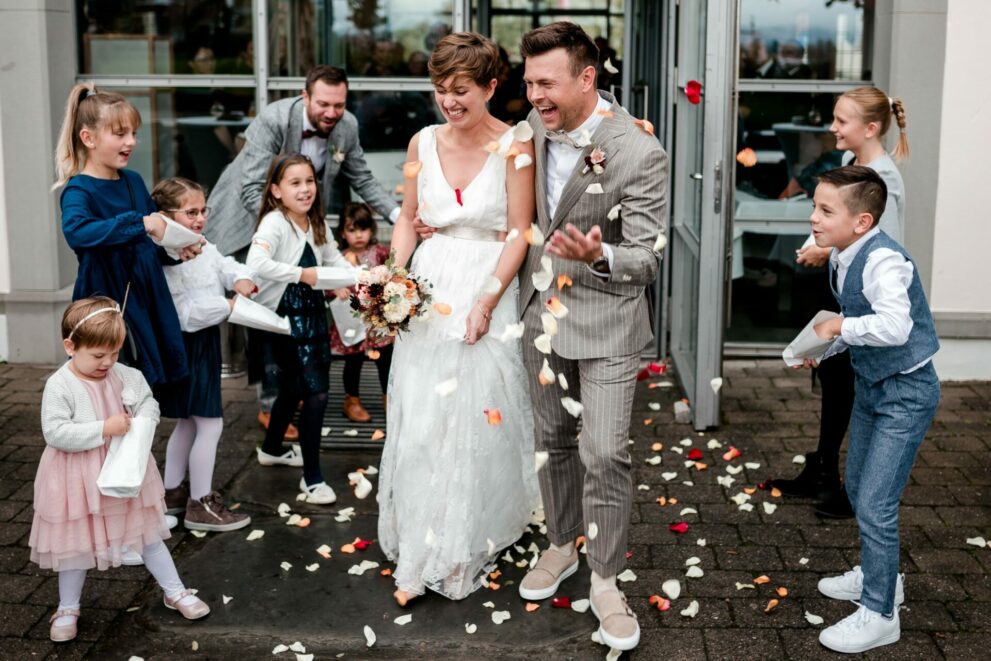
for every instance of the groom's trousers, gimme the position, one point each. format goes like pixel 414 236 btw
pixel 586 478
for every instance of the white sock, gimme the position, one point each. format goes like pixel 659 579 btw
pixel 70 591
pixel 600 584
pixel 177 452
pixel 565 550
pixel 203 455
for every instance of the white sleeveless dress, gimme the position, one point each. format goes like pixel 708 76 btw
pixel 453 489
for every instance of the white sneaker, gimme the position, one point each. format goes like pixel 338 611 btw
pixel 863 630
pixel 131 558
pixel 849 586
pixel 288 458
pixel 171 521
pixel 319 493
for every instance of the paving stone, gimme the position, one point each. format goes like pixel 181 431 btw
pixel 17 619
pixel 742 644
pixel 964 645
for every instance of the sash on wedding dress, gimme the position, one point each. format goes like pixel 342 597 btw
pixel 470 233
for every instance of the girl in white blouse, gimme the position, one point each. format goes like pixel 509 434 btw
pixel 292 239
pixel 198 290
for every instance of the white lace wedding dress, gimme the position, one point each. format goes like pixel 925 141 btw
pixel 455 490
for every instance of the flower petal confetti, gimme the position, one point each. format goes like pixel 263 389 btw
pixel 470 628
pixel 445 388
pixel 646 125
pixel 713 444
pixel 324 550
pixel 656 461
pixel 442 309
pixel 378 435
pixel 493 285
pixel 286 566
pixel 594 189
pixel 659 243
pixel 227 599
pixel 771 605
pixel 543 343
pixel 977 541
pixel 798 459
pixel 540 458
pixel 561 602
pixel 747 157
pixel 700 541
pixel 562 381
pixel 549 323
pixel 627 576
pixel 815 620
pixel 679 528
pixel 369 636
pixel 694 572
pixel 556 308
pixel 734 470
pixel 531 607
pixel 512 332
pixel 769 507
pixel 672 588
pixel 523 132
pixel 313 567
pixel 500 616
pixel 614 212
pixel 745 586
pixel 692 610
pixel 403 620
pixel 572 407
pixel 761 580
pixel 659 602
pixel 782 592
pixel 609 66
pixel 255 534
pixel 493 416
pixel 731 454
pixel 522 161
pixel 534 236
pixel 716 384
pixel 580 605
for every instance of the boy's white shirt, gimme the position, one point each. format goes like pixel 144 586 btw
pixel 886 278
pixel 68 418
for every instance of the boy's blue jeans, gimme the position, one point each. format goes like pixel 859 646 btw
pixel 890 419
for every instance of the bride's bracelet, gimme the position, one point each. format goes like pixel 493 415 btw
pixel 486 311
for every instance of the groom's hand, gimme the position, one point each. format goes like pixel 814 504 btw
pixel 422 230
pixel 573 245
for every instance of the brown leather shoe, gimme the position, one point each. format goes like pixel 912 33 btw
pixel 618 626
pixel 354 411
pixel 543 580
pixel 175 499
pixel 210 514
pixel 292 434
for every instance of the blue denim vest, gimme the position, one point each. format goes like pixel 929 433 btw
pixel 877 363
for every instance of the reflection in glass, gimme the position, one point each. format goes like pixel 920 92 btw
pixel 803 39
pixel 188 132
pixel 133 37
pixel 373 38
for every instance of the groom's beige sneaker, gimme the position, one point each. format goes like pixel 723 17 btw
pixel 543 580
pixel 618 626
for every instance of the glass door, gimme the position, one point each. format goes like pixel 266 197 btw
pixel 701 178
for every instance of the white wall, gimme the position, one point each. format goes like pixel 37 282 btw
pixel 961 272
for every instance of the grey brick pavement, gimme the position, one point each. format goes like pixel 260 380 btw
pixel 769 414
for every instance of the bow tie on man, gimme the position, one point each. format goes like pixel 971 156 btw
pixel 562 137
pixel 312 133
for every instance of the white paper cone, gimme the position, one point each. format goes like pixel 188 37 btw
pixel 176 236
pixel 346 321
pixel 123 470
pixel 254 315
pixel 807 344
pixel 335 277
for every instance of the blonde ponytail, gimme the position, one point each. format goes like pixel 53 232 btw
pixel 898 110
pixel 89 108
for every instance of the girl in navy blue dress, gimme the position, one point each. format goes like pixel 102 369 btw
pixel 107 221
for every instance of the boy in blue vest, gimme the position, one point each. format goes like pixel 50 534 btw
pixel 887 327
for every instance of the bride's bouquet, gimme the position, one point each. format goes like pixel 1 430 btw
pixel 387 298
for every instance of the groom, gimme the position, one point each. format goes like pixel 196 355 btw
pixel 592 162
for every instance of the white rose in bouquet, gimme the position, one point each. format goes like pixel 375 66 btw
pixel 394 289
pixel 396 312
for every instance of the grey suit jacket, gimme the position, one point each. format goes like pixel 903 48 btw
pixel 235 199
pixel 607 316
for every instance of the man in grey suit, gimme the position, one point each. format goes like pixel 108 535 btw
pixel 601 201
pixel 316 125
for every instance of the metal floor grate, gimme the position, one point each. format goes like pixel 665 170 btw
pixel 371 399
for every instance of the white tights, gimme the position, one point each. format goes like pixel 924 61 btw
pixel 193 447
pixel 157 559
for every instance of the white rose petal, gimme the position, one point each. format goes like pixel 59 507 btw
pixel 671 588
pixel 815 620
pixel 614 212
pixel 536 238
pixel 613 654
pixel 293 520
pixel 523 132
pixel 255 534
pixel 539 459
pixel 522 161
pixel 549 322
pixel 445 388
pixel 227 599
pixel 284 510
pixel 470 628
pixel 741 498
pixel 654 406
pixel 489 604
pixel 280 648
pixel 660 242
pixel 512 235
pixel 542 280
pixel 769 507
pixel 643 487
pixel 298 647
pixel 198 533
pixel 562 381
pixel 500 616
pixel 734 470
pixel 746 507
pixel 584 138
pixel 430 538
pixel 694 572
pixel 678 450
pixel 685 442
pixel 977 541
pixel 700 541
pixel 286 566
pixel 403 620
pixel 692 610
pixel 668 476
pixel 745 586
pixel 362 487
pixel 688 510
pixel 627 576
pixel 580 605
pixel 492 285
pixel 752 465
pixel 609 66
pixel 594 189
pixel 716 384
pixel 654 461
pixel 543 343
pixel 572 407
pixel 369 636
pixel 798 459
pixel 593 530
pixel 512 332
pixel 692 561
pixel 803 561
pixel 713 444
pixel 315 566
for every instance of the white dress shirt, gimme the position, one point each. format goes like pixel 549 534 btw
pixel 198 288
pixel 561 161
pixel 886 279
pixel 314 148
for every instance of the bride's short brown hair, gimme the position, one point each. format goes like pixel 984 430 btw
pixel 465 54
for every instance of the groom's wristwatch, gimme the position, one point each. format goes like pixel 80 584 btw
pixel 600 264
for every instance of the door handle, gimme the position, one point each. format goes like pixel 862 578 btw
pixel 696 175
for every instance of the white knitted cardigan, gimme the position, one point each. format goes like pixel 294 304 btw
pixel 68 420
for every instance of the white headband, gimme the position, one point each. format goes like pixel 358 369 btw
pixel 115 308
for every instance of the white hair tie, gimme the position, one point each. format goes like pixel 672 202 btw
pixel 891 104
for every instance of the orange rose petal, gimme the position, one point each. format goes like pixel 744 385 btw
pixel 672 501
pixel 731 454
pixel 493 415
pixel 492 147
pixel 775 492
pixel 347 548
pixel 563 281
pixel 662 501
pixel 530 607
pixel 645 124
pixel 782 592
pixel 378 435
pixel 373 354
pixel 442 308
pixel 657 447
pixel 542 380
pixel 555 307
pixel 304 522
pixel 750 490
pixel 580 542
pixel 761 580
pixel 747 157
pixel 494 586
pixel 699 466
pixel 771 605
pixel 496 574
pixel 602 112
pixel 385 572
pixel 648 422
pixel 411 169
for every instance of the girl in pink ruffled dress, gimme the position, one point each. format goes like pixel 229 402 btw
pixel 90 399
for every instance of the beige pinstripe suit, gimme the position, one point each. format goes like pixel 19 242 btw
pixel 598 344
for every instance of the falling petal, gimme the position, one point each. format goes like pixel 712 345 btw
pixel 747 157
pixel 522 161
pixel 716 384
pixel 692 610
pixel 646 125
pixel 442 309
pixel 430 538
pixel 602 112
pixel 511 236
pixel 571 406
pixel 769 507
pixel 627 576
pixel 659 243
pixel 815 620
pixel 593 530
pixel 580 605
pixel 540 459
pixel 549 323
pixel 609 66
pixel 563 281
pixel 556 308
pixel 369 636
pixel 411 169
pixel 694 572
pixel 493 285
pixel 672 588
pixel 542 280
pixel 562 381
pixel 493 147
pixel 493 416
pixel 771 605
pixel 255 534
pixel 614 212
pixel 543 343
pixel 523 132
pixel 324 431
pixel 512 332
pixel 534 236
pixel 445 388
pixel 594 189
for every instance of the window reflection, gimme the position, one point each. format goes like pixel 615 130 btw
pixel 174 37
pixel 374 38
pixel 799 39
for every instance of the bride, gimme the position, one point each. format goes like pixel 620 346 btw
pixel 457 480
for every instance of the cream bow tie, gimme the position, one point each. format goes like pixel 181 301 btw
pixel 562 138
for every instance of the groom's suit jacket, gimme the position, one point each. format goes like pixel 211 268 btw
pixel 236 198
pixel 607 316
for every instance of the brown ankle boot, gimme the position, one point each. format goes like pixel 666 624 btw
pixel 354 411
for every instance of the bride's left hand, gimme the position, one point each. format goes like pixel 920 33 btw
pixel 477 325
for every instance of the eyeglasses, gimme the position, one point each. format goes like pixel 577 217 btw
pixel 192 213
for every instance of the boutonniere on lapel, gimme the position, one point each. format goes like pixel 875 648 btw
pixel 595 161
pixel 339 154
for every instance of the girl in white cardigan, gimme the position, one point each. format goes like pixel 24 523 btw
pixel 87 401
pixel 198 290
pixel 291 240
